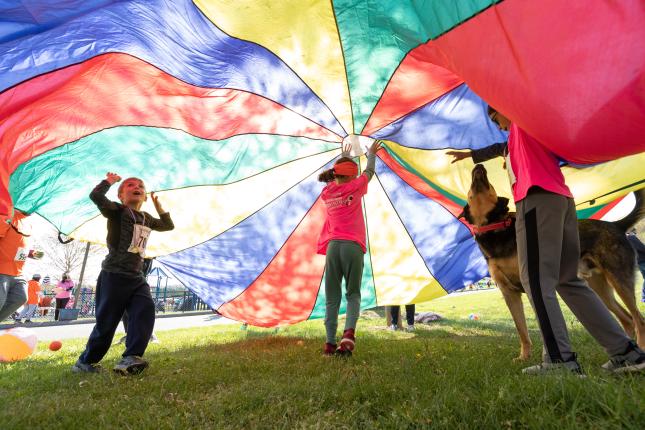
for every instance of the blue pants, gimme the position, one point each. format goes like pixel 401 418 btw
pixel 115 294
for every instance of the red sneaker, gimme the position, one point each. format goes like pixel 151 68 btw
pixel 348 341
pixel 330 349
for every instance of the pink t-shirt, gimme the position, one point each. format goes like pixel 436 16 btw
pixel 532 165
pixel 67 287
pixel 344 213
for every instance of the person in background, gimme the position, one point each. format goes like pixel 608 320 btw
pixel 33 296
pixel 14 250
pixel 63 293
pixel 409 316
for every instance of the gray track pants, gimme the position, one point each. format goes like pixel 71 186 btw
pixel 13 294
pixel 548 250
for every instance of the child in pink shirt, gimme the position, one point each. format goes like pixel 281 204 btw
pixel 548 251
pixel 342 240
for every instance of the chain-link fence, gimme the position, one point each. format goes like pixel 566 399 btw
pixel 166 301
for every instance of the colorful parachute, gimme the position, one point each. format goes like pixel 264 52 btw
pixel 230 108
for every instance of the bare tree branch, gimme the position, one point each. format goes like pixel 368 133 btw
pixel 66 258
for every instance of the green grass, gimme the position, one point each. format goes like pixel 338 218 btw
pixel 453 374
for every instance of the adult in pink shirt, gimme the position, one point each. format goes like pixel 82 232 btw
pixel 548 251
pixel 342 241
pixel 63 292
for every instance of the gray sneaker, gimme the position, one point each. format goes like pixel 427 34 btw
pixel 80 367
pixel 571 366
pixel 633 360
pixel 393 327
pixel 130 364
pixel 410 328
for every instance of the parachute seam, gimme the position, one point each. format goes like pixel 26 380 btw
pixel 283 62
pixel 409 112
pixel 396 158
pixel 412 112
pixel 193 135
pixel 313 308
pixel 493 3
pixel 461 224
pixel 222 185
pixel 370 247
pixel 407 232
pixel 181 80
pixel 274 256
pixel 255 212
pixel 342 53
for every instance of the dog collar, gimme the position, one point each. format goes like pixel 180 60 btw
pixel 495 226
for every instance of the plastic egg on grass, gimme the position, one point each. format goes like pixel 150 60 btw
pixel 17 344
pixel 55 345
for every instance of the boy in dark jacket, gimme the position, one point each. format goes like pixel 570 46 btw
pixel 121 285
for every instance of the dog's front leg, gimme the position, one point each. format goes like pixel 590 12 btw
pixel 514 302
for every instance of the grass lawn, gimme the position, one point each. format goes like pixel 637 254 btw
pixel 454 374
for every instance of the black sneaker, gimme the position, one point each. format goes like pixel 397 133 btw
pixel 80 367
pixel 130 364
pixel 632 360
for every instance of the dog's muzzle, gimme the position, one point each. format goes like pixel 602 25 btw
pixel 479 179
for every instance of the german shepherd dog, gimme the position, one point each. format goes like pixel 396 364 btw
pixel 607 260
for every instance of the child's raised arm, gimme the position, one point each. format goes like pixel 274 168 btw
pixel 164 223
pixel 107 207
pixel 371 158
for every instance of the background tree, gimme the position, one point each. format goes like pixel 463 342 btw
pixel 62 258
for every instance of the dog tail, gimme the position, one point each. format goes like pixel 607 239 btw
pixel 636 214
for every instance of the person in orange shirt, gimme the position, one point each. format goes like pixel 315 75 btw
pixel 33 296
pixel 14 251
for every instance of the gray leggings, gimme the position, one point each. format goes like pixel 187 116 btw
pixel 344 260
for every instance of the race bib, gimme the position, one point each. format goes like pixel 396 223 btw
pixel 21 254
pixel 509 169
pixel 140 236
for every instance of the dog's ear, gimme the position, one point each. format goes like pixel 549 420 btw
pixel 499 211
pixel 465 213
pixel 502 205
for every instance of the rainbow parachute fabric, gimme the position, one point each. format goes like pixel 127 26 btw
pixel 230 109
